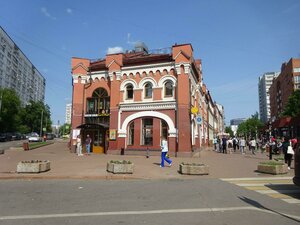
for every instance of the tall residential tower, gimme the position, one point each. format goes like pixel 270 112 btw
pixel 264 83
pixel 18 73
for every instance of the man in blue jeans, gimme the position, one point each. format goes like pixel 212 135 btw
pixel 164 151
pixel 88 142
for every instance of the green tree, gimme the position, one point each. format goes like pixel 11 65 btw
pixel 9 110
pixel 35 115
pixel 65 129
pixel 292 107
pixel 250 127
pixel 229 131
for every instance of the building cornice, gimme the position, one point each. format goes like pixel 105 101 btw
pixel 161 105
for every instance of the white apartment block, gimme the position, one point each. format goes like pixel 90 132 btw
pixel 68 113
pixel 18 73
pixel 264 83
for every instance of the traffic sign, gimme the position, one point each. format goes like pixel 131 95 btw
pixel 199 119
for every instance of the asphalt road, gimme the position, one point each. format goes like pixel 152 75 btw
pixel 199 201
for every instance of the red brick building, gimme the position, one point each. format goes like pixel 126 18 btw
pixel 280 90
pixel 132 100
pixel 283 86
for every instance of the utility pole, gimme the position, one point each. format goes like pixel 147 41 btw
pixel 41 123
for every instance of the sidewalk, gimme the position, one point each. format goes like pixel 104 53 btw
pixel 66 165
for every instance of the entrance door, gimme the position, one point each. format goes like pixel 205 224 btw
pixel 99 138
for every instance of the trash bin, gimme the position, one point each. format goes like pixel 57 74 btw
pixel 122 151
pixel 26 146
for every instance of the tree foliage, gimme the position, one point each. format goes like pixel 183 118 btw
pixel 10 107
pixel 292 107
pixel 229 131
pixel 250 127
pixel 14 117
pixel 65 129
pixel 35 116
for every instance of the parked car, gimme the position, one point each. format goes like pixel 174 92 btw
pixel 34 137
pixel 50 136
pixel 3 137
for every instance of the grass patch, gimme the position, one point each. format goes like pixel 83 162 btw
pixel 34 145
pixel 272 163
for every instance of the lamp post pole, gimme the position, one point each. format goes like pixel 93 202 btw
pixel 41 123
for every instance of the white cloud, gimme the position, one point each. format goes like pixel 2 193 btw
pixel 69 11
pixel 47 14
pixel 115 50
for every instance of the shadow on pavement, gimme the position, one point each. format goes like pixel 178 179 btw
pixel 260 206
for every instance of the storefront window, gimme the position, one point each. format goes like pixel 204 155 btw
pixel 147 131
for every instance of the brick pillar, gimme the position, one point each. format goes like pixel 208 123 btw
pixel 114 63
pixel 183 56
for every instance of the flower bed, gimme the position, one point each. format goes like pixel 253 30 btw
pixel 272 167
pixel 33 166
pixel 116 166
pixel 193 169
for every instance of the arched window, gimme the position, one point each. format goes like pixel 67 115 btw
pixel 99 103
pixel 148 90
pixel 129 91
pixel 169 89
pixel 131 133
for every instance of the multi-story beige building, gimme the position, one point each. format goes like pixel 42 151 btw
pixel 18 73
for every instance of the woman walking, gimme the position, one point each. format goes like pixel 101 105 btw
pixel 164 151
pixel 287 156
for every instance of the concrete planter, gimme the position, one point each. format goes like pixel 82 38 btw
pixel 120 167
pixel 33 166
pixel 193 169
pixel 272 168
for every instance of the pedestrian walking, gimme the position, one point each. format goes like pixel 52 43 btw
pixel 78 146
pixel 224 145
pixel 252 145
pixel 164 152
pixel 88 142
pixel 242 145
pixel 215 141
pixel 235 143
pixel 287 156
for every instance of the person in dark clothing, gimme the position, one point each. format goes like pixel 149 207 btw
pixel 224 145
pixel 287 157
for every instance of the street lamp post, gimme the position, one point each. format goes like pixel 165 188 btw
pixel 41 123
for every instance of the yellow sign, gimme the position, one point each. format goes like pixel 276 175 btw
pixel 194 110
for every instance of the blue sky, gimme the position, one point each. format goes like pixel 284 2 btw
pixel 237 40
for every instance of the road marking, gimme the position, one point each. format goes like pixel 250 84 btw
pixel 20 217
pixel 257 178
pixel 278 191
pixel 199 210
pixel 276 187
pixel 291 200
